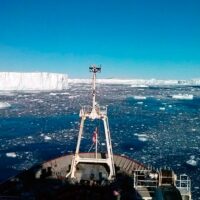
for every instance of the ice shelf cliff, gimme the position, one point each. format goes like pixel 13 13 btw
pixel 139 82
pixel 33 81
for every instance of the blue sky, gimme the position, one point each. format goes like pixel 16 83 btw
pixel 130 38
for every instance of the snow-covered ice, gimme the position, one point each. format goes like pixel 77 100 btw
pixel 11 154
pixel 142 137
pixel 4 105
pixel 139 97
pixel 192 161
pixel 183 96
pixel 162 108
pixel 33 81
pixel 47 137
pixel 143 83
pixel 139 86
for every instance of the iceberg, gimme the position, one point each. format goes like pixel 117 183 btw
pixel 132 82
pixel 138 83
pixel 135 83
pixel 33 81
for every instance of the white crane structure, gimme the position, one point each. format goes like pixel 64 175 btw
pixel 92 113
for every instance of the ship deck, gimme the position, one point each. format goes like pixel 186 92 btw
pixel 48 180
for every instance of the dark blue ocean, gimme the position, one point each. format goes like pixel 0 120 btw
pixel 146 124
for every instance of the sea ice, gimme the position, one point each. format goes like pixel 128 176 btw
pixel 162 108
pixel 183 96
pixel 142 86
pixel 47 137
pixel 11 154
pixel 52 94
pixel 4 105
pixel 142 139
pixel 139 97
pixel 192 161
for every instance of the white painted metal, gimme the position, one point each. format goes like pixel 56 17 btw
pixel 184 186
pixel 93 113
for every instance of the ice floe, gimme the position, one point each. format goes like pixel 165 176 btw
pixel 142 137
pixel 139 97
pixel 52 94
pixel 140 102
pixel 4 105
pixel 162 108
pixel 139 86
pixel 183 96
pixel 192 161
pixel 11 154
pixel 47 137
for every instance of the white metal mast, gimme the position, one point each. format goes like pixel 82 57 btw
pixel 94 112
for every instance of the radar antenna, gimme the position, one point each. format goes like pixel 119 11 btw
pixel 94 70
